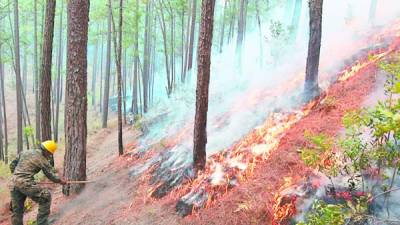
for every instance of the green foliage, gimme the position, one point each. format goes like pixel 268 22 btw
pixel 319 153
pixel 31 222
pixel 29 131
pixel 370 142
pixel 325 214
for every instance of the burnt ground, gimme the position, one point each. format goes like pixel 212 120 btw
pixel 115 199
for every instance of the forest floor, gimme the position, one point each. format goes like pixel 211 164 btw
pixel 110 199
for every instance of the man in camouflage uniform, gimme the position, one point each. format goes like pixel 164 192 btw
pixel 23 185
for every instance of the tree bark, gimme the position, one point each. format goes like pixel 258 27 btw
pixel 106 94
pixel 45 84
pixel 311 88
pixel 18 78
pixel 118 57
pixel 76 95
pixel 203 80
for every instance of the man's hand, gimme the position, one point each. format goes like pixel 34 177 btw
pixel 63 181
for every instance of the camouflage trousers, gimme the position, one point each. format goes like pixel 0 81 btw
pixel 38 195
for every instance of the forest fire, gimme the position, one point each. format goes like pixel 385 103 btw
pixel 236 164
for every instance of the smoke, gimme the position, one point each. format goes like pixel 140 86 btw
pixel 267 77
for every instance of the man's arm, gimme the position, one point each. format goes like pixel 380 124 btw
pixel 14 164
pixel 50 171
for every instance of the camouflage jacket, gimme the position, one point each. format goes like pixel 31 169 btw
pixel 29 163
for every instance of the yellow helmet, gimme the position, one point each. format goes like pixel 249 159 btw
pixel 50 146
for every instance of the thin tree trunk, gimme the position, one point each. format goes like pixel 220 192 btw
pixel 311 88
pixel 136 62
pixel 76 95
pixel 221 41
pixel 24 71
pixel 2 151
pixel 101 74
pixel 241 22
pixel 203 80
pixel 164 35
pixel 232 21
pixel 120 140
pixel 3 99
pixel 106 95
pixel 36 74
pixel 18 78
pixel 118 57
pixel 192 31
pixel 124 81
pixel 94 74
pixel 173 69
pixel 182 44
pixel 185 66
pixel 146 58
pixel 59 66
pixel 45 84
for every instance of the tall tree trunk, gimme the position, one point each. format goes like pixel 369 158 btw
pixel 3 99
pixel 101 73
pixel 311 88
pixel 118 57
pixel 241 22
pixel 2 151
pixel 182 44
pixel 94 74
pixel 221 41
pixel 232 21
pixel 173 69
pixel 58 83
pixel 165 45
pixel 18 78
pixel 203 80
pixel 25 71
pixel 76 95
pixel 36 74
pixel 106 95
pixel 124 81
pixel 146 58
pixel 45 84
pixel 185 63
pixel 192 31
pixel 136 62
